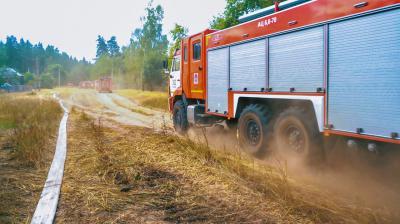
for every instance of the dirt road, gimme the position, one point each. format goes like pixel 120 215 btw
pixel 119 109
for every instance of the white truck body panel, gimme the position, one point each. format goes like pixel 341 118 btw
pixel 317 101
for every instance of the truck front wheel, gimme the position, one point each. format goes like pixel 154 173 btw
pixel 180 121
pixel 297 136
pixel 254 129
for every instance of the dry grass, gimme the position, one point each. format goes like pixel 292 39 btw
pixel 64 92
pixel 154 99
pixel 125 174
pixel 137 110
pixel 27 141
pixel 30 123
pixel 140 111
pixel 20 188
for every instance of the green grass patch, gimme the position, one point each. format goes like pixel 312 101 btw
pixel 6 124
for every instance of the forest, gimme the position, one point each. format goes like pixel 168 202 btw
pixel 137 65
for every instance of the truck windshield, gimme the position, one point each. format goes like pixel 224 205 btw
pixel 176 65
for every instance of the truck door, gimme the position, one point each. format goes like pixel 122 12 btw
pixel 185 79
pixel 196 67
pixel 175 74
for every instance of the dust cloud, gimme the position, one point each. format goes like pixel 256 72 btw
pixel 354 175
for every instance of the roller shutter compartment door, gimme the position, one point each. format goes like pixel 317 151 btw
pixel 248 66
pixel 296 61
pixel 364 74
pixel 217 80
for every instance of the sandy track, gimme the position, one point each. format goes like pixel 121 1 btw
pixel 119 109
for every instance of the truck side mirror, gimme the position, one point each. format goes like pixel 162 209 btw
pixel 165 65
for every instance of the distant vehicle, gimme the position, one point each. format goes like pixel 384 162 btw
pixel 293 73
pixel 104 85
pixel 86 84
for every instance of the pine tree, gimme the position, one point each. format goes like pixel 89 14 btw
pixel 102 48
pixel 3 55
pixel 34 60
pixel 113 47
pixel 13 57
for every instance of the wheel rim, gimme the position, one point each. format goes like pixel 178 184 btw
pixel 295 139
pixel 253 132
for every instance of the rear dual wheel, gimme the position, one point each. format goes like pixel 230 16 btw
pixel 295 135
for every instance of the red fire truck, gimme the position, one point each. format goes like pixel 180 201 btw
pixel 295 72
pixel 104 85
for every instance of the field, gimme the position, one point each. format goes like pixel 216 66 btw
pixel 28 128
pixel 126 165
pixel 118 174
pixel 157 100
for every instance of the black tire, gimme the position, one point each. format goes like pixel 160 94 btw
pixel 297 136
pixel 254 130
pixel 180 121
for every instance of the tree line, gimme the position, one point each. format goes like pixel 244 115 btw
pixel 36 62
pixel 137 65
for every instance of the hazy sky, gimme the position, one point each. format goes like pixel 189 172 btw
pixel 73 25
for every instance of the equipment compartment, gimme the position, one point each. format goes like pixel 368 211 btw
pixel 364 74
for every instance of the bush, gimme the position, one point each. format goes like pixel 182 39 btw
pixel 47 81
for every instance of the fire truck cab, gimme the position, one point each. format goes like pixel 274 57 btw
pixel 294 72
pixel 175 73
